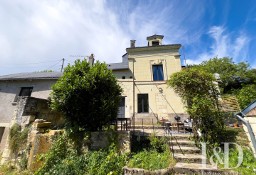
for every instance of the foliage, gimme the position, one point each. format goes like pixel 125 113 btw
pixel 106 162
pixel 246 95
pixel 248 165
pixel 10 169
pixel 87 95
pixel 55 155
pixel 7 169
pixel 160 144
pixel 17 138
pixel 63 159
pixel 197 89
pixel 151 160
pixel 232 75
pixel 158 156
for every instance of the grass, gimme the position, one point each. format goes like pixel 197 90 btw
pixel 238 136
pixel 151 160
pixel 155 155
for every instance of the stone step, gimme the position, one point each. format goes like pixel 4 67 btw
pixel 189 158
pixel 182 142
pixel 182 136
pixel 195 168
pixel 185 149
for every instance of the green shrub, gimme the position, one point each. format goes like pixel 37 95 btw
pixel 64 159
pixel 17 138
pixel 106 162
pixel 151 160
pixel 157 156
pixel 158 143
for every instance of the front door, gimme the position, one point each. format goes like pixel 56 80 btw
pixel 121 108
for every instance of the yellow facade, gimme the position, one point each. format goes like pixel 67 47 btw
pixel 138 78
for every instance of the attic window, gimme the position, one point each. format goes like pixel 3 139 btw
pixel 26 91
pixel 155 43
pixel 123 77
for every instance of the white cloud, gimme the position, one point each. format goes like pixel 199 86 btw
pixel 47 31
pixel 37 31
pixel 224 45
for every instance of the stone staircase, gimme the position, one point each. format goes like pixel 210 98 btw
pixel 230 104
pixel 189 158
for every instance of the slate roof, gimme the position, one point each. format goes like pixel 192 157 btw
pixel 155 36
pixel 118 66
pixel 32 75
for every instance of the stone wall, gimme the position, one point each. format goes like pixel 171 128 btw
pixel 101 140
pixel 139 171
pixel 35 108
pixel 39 143
pixel 29 109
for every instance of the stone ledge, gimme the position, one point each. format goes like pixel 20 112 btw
pixel 140 171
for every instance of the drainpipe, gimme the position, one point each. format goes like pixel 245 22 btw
pixel 249 128
pixel 133 86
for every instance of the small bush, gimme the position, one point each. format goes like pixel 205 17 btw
pixel 17 138
pixel 151 160
pixel 157 156
pixel 158 143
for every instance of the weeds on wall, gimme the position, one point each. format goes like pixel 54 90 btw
pixel 17 138
pixel 63 158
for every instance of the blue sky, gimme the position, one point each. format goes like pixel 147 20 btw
pixel 36 35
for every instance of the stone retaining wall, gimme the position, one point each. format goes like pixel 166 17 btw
pixel 139 171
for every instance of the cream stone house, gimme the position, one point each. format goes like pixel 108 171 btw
pixel 143 75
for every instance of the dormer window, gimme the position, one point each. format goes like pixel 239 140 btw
pixel 158 74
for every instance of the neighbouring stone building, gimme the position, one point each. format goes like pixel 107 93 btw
pixel 143 75
pixel 15 86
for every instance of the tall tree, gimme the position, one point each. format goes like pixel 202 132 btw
pixel 232 75
pixel 87 95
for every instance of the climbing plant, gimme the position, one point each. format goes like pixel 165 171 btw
pixel 199 92
pixel 17 138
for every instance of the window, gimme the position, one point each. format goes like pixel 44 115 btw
pixel 1 133
pixel 142 103
pixel 26 91
pixel 155 43
pixel 158 74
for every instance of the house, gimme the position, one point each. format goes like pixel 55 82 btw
pixel 143 75
pixel 36 84
pixel 248 118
